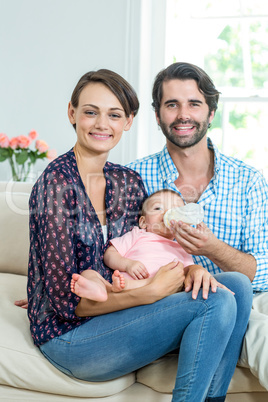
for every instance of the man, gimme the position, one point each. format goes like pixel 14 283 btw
pixel 234 235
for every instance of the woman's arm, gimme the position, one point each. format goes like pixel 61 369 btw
pixel 167 281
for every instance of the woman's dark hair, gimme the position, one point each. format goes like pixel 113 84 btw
pixel 117 85
pixel 185 71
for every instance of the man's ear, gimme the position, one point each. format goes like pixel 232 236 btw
pixel 211 117
pixel 71 113
pixel 142 223
pixel 157 118
pixel 129 122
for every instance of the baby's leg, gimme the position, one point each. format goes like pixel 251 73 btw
pixel 91 285
pixel 118 281
pixel 121 283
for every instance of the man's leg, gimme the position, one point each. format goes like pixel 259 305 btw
pixel 255 347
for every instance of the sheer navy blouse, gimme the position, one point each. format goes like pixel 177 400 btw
pixel 66 237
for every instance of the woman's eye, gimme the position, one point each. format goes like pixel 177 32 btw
pixel 115 116
pixel 90 113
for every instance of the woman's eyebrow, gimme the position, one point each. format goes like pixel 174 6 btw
pixel 96 107
pixel 91 105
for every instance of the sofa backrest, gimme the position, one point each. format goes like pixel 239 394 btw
pixel 14 227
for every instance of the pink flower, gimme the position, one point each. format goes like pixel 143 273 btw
pixel 51 154
pixel 4 141
pixel 41 146
pixel 23 141
pixel 14 143
pixel 33 135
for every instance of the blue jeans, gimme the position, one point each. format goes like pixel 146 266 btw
pixel 209 335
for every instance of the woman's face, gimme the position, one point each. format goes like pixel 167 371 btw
pixel 100 119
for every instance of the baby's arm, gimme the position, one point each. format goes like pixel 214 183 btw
pixel 114 260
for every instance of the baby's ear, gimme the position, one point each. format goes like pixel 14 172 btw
pixel 142 223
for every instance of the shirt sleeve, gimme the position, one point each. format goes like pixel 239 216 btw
pixel 188 260
pixel 124 243
pixel 255 230
pixel 53 213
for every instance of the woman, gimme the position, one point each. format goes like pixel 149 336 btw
pixel 78 204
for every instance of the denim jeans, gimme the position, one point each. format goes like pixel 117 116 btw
pixel 209 335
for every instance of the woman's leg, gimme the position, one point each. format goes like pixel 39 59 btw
pixel 241 286
pixel 115 344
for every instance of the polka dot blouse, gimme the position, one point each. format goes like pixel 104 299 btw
pixel 66 237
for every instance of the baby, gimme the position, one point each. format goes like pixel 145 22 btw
pixel 136 256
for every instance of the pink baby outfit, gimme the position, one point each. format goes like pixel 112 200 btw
pixel 152 250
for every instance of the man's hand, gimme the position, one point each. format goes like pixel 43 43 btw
pixel 197 277
pixel 195 241
pixel 201 241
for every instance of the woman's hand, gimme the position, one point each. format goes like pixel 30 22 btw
pixel 197 277
pixel 168 280
pixel 22 303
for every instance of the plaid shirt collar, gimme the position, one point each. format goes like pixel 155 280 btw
pixel 169 172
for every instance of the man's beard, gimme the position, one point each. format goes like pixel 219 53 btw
pixel 185 141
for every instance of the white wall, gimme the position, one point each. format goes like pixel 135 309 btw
pixel 46 45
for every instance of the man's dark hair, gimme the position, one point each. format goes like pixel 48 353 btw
pixel 185 71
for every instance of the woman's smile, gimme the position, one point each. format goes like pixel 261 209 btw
pixel 101 136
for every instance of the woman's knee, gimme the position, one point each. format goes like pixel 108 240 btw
pixel 237 283
pixel 223 307
pixel 243 293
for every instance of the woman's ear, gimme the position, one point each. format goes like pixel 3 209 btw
pixel 129 122
pixel 71 113
pixel 142 223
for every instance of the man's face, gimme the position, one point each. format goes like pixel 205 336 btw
pixel 184 114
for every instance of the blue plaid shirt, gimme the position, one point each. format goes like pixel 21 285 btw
pixel 235 204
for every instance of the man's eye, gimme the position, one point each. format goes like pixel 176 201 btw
pixel 172 105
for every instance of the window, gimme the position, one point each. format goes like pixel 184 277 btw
pixel 228 39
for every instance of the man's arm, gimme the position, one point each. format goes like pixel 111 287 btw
pixel 201 241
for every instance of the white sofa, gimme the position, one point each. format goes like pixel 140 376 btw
pixel 25 375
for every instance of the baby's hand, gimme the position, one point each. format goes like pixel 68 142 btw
pixel 137 270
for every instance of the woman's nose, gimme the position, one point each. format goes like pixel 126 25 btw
pixel 101 121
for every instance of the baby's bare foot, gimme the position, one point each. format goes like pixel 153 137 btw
pixel 118 281
pixel 88 288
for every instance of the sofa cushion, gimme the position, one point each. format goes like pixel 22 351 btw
pixel 22 365
pixel 14 222
pixel 161 374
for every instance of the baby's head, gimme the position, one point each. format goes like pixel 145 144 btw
pixel 154 209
